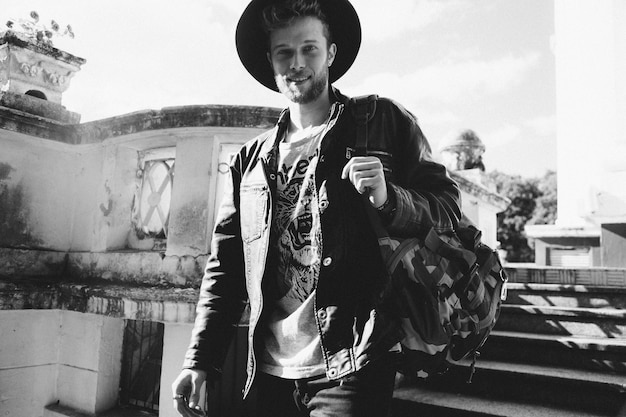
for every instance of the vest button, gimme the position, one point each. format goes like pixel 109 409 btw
pixel 327 261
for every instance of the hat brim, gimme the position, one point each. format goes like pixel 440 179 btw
pixel 252 44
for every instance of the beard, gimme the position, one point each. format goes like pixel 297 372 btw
pixel 301 94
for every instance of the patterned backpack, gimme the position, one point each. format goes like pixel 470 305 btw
pixel 446 289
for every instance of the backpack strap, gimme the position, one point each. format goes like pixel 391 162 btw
pixel 363 109
pixel 464 259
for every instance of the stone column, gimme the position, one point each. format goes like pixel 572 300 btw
pixel 590 53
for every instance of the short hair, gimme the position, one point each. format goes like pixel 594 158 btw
pixel 281 15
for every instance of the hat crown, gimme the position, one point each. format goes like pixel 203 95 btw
pixel 251 37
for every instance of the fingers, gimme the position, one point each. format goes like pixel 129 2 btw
pixel 187 387
pixel 364 173
pixel 196 384
pixel 180 405
pixel 185 409
pixel 181 388
pixel 366 181
pixel 359 163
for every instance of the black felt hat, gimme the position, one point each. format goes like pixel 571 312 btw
pixel 252 44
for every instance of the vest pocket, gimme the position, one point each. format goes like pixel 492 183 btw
pixel 254 201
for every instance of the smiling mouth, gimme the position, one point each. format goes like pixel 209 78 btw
pixel 297 80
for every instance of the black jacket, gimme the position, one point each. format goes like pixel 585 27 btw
pixel 353 328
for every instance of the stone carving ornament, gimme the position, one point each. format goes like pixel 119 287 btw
pixel 32 70
pixel 54 78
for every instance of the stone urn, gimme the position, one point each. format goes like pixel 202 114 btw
pixel 463 152
pixel 34 75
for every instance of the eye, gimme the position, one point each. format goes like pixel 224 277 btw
pixel 282 54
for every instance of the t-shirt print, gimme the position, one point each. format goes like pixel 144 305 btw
pixel 297 220
pixel 291 345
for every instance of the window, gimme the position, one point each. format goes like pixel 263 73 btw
pixel 570 257
pixel 151 208
pixel 36 93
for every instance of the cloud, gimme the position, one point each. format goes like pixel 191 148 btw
pixel 444 117
pixel 383 22
pixel 502 136
pixel 515 149
pixel 543 125
pixel 234 6
pixel 452 81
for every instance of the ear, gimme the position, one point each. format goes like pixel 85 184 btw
pixel 332 52
pixel 269 58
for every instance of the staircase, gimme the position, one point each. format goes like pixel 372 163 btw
pixel 558 349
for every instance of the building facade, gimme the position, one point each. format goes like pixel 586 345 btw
pixel 591 137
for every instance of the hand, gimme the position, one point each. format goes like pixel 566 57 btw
pixel 186 392
pixel 367 175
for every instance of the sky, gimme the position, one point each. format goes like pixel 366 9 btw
pixel 484 65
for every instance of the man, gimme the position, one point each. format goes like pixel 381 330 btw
pixel 293 236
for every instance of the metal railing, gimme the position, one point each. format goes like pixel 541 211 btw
pixel 140 381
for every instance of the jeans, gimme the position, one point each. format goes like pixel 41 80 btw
pixel 366 393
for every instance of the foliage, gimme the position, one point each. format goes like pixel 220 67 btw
pixel 533 201
pixel 37 31
pixel 545 212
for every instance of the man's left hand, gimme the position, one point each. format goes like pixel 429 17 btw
pixel 367 175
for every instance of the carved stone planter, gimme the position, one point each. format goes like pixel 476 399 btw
pixel 33 77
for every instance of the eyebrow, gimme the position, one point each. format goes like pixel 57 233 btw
pixel 306 42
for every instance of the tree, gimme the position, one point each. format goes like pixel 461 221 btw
pixel 533 201
pixel 545 212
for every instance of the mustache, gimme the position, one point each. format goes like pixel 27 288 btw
pixel 299 74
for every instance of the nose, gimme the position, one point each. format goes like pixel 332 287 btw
pixel 297 61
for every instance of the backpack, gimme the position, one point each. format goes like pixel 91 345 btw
pixel 445 289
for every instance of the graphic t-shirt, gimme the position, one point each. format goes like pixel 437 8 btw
pixel 292 346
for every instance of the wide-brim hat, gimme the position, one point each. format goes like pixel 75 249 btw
pixel 252 44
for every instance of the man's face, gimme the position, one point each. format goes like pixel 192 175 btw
pixel 300 57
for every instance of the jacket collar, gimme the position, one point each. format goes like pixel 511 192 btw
pixel 335 95
pixel 269 148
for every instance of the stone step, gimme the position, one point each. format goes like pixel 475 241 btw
pixel 583 353
pixel 566 321
pixel 505 389
pixel 566 296
pixel 556 374
pixel 58 410
pixel 417 401
pixel 588 276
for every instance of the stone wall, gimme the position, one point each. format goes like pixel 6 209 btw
pixel 57 355
pixel 67 195
pixel 73 265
